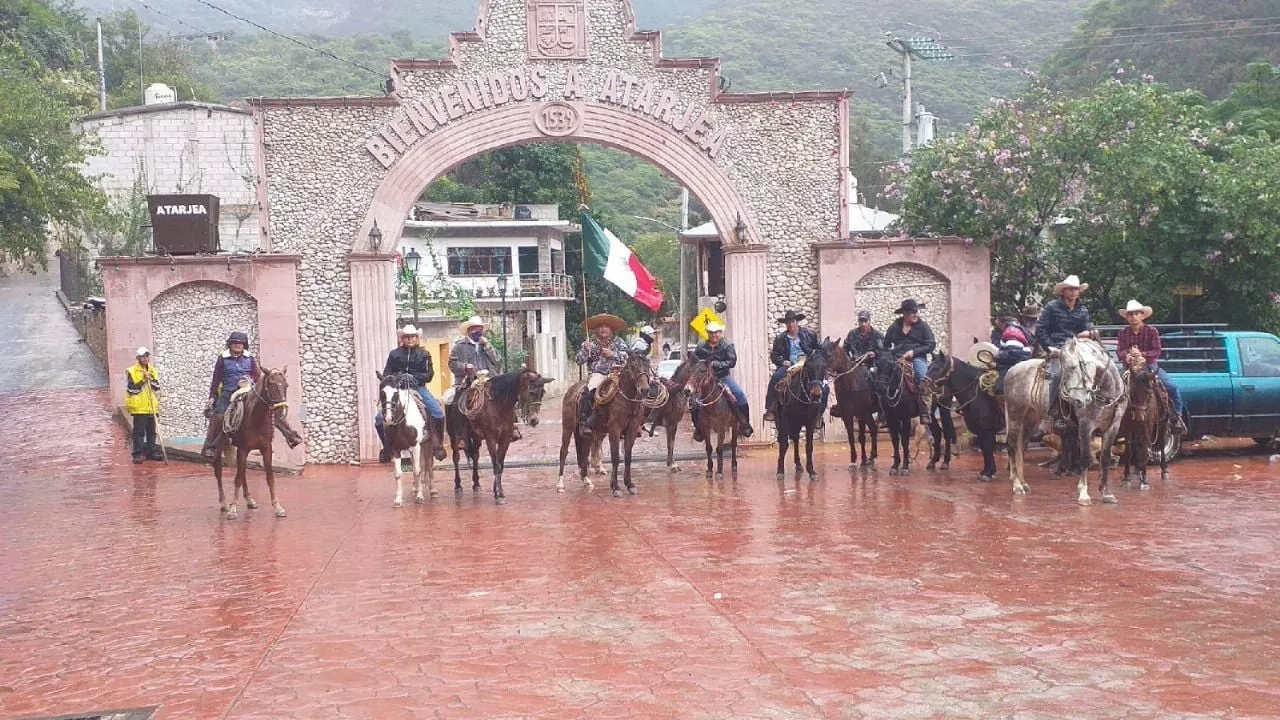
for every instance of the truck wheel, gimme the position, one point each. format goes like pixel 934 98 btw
pixel 1172 445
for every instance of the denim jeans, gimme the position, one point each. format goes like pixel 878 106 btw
pixel 921 367
pixel 735 389
pixel 1175 395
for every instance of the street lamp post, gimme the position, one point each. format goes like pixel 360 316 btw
pixel 502 293
pixel 411 260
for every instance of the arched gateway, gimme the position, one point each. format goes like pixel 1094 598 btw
pixel 537 71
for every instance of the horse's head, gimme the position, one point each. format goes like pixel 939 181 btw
pixel 1084 365
pixel 940 370
pixel 635 375
pixel 701 379
pixel 684 370
pixel 840 361
pixel 816 368
pixel 393 393
pixel 532 389
pixel 273 388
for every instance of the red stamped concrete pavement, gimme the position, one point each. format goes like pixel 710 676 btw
pixel 859 596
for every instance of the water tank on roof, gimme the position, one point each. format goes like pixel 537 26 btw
pixel 157 93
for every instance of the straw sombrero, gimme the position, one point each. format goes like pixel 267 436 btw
pixel 1072 281
pixel 465 326
pixel 612 321
pixel 1135 306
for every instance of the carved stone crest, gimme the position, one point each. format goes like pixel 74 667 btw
pixel 556 119
pixel 557 29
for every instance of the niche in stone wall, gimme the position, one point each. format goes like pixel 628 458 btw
pixel 189 326
pixel 882 291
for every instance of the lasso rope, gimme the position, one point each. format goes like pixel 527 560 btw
pixel 474 400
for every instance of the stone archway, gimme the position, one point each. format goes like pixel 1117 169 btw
pixel 538 71
pixel 882 291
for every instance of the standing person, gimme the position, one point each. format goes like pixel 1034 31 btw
pixel 723 358
pixel 789 348
pixel 864 338
pixel 1143 339
pixel 415 362
pixel 911 338
pixel 599 354
pixel 1061 320
pixel 142 403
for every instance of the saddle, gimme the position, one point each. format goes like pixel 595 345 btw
pixel 791 372
pixel 234 414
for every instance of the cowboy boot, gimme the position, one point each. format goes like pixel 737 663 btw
pixel 437 431
pixel 212 436
pixel 290 436
pixel 693 418
pixel 586 409
pixel 744 416
pixel 771 404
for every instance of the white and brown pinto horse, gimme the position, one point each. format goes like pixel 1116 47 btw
pixel 1091 389
pixel 405 425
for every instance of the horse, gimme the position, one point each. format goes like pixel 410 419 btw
pixel 855 401
pixel 669 414
pixel 1091 389
pixel 717 414
pixel 899 406
pixel 487 412
pixel 1146 423
pixel 405 428
pixel 260 406
pixel 622 403
pixel 972 395
pixel 800 406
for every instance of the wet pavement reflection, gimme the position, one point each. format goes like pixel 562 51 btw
pixel 859 596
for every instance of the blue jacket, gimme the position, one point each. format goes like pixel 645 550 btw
pixel 1058 324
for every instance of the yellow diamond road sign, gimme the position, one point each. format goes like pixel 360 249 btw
pixel 699 323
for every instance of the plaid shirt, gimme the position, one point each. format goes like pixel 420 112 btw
pixel 1147 340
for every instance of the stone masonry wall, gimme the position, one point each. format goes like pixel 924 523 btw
pixel 190 324
pixel 882 291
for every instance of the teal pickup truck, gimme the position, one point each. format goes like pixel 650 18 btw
pixel 1230 380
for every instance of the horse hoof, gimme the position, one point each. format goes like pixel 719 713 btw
pixel 1144 486
pixel 985 478
pixel 1164 475
pixel 418 499
pixel 946 466
pixel 476 488
pixel 673 468
pixel 1109 499
pixel 251 504
pixel 632 490
pixel 813 477
pixel 720 476
pixel 931 467
pixel 232 513
pixel 397 503
pixel 904 472
pixel 1019 490
pixel 500 500
pixel 781 477
pixel 222 508
pixel 617 493
pixel 893 471
pixel 1084 501
pixel 280 511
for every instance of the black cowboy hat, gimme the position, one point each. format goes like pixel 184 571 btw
pixel 791 315
pixel 909 305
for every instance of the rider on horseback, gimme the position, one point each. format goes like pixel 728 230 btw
pixel 1061 320
pixel 912 339
pixel 415 362
pixel 600 355
pixel 722 358
pixel 1144 340
pixel 471 355
pixel 234 365
pixel 864 338
pixel 789 348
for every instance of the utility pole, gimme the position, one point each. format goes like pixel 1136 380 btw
pixel 684 272
pixel 921 49
pixel 102 73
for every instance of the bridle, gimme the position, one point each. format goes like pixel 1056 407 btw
pixel 275 405
pixel 700 391
pixel 1090 385
pixel 394 411
pixel 526 407
pixel 809 378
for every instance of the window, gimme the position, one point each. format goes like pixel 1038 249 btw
pixel 557 261
pixel 1193 353
pixel 1259 357
pixel 528 261
pixel 465 261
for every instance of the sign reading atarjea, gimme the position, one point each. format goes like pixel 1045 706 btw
pixel 553 115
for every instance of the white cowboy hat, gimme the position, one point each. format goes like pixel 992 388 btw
pixel 474 321
pixel 1135 306
pixel 714 326
pixel 142 351
pixel 1072 281
pixel 410 330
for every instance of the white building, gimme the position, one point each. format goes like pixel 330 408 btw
pixel 182 148
pixel 471 246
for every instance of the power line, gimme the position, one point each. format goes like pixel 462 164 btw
pixel 943 37
pixel 1212 32
pixel 294 40
pixel 1269 32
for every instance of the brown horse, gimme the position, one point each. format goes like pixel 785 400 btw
pixel 486 413
pixel 1146 423
pixel 670 413
pixel 856 400
pixel 618 416
pixel 405 426
pixel 716 414
pixel 261 405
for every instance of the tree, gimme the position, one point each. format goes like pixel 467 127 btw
pixel 165 60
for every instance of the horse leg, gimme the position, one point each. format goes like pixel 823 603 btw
pixel 428 470
pixel 987 441
pixel 249 502
pixel 670 427
pixel 397 469
pixel 1084 433
pixel 948 436
pixel 217 475
pixel 720 454
pixel 416 457
pixel 706 442
pixel 905 425
pixel 498 455
pixel 1108 441
pixel 733 453
pixel 795 447
pixel 628 443
pixel 271 481
pixel 783 433
pixel 808 450
pixel 566 434
pixel 242 457
pixel 895 438
pixel 848 419
pixel 457 469
pixel 615 459
pixel 935 433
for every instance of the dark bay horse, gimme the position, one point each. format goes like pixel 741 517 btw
pixel 261 405
pixel 716 414
pixel 1146 424
pixel 899 406
pixel 800 406
pixel 405 426
pixel 486 413
pixel 670 413
pixel 620 410
pixel 967 387
pixel 855 401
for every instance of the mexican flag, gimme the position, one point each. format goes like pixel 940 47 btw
pixel 607 257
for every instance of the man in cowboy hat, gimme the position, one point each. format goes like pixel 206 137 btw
pixel 1139 338
pixel 599 355
pixel 789 348
pixel 722 358
pixel 1062 319
pixel 415 362
pixel 470 355
pixel 864 338
pixel 235 365
pixel 1027 319
pixel 911 338
pixel 142 404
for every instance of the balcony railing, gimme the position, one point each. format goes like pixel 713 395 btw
pixel 546 285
